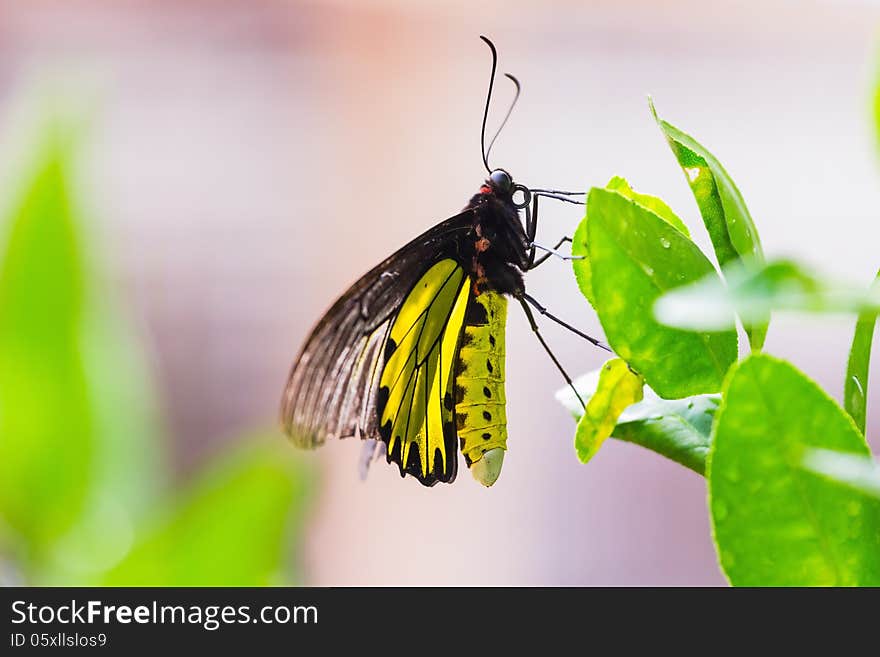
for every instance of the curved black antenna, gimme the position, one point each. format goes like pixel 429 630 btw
pixel 488 98
pixel 506 116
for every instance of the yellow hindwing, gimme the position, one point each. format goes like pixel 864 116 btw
pixel 414 401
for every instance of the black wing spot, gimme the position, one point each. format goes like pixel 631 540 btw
pixel 487 416
pixel 492 340
pixel 382 400
pixel 438 461
pixel 390 348
pixel 392 455
pixel 489 365
pixel 413 461
pixel 486 436
pixel 447 402
pixel 487 392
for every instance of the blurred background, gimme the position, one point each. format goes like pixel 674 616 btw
pixel 238 164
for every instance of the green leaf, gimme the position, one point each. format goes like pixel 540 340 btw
pixel 781 285
pixel 635 257
pixel 774 523
pixel 582 269
pixel 618 387
pixel 727 219
pixel 231 527
pixel 855 386
pixel 679 429
pixel 79 455
pixel 859 473
pixel 46 421
pixel 652 203
pixel 127 472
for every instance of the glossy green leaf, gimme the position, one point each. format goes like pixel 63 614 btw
pixel 774 523
pixel 781 285
pixel 618 387
pixel 582 268
pixel 231 527
pixel 861 473
pixel 47 424
pixel 652 203
pixel 855 386
pixel 723 209
pixel 635 257
pixel 679 429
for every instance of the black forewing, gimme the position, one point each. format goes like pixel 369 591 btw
pixel 331 390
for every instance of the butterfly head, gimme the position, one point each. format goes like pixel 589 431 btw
pixel 501 182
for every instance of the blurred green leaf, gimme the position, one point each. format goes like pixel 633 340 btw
pixel 679 429
pixel 709 304
pixel 724 212
pixel 47 425
pixel 774 523
pixel 876 104
pixel 231 527
pixel 79 436
pixel 127 471
pixel 855 386
pixel 618 387
pixel 861 473
pixel 634 257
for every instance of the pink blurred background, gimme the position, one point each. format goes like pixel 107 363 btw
pixel 249 160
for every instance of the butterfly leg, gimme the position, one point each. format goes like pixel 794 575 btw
pixel 551 251
pixel 541 309
pixel 532 229
pixel 557 192
pixel 528 311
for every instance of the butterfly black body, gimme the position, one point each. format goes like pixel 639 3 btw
pixel 497 251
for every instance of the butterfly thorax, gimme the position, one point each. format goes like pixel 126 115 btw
pixel 495 251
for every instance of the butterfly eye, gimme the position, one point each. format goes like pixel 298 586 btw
pixel 501 180
pixel 521 197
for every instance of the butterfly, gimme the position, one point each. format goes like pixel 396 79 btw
pixel 412 356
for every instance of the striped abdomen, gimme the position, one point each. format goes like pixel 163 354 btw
pixel 481 419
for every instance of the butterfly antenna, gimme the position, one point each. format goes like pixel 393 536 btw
pixel 506 116
pixel 488 99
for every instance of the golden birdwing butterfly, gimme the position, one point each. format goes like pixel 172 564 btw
pixel 412 356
